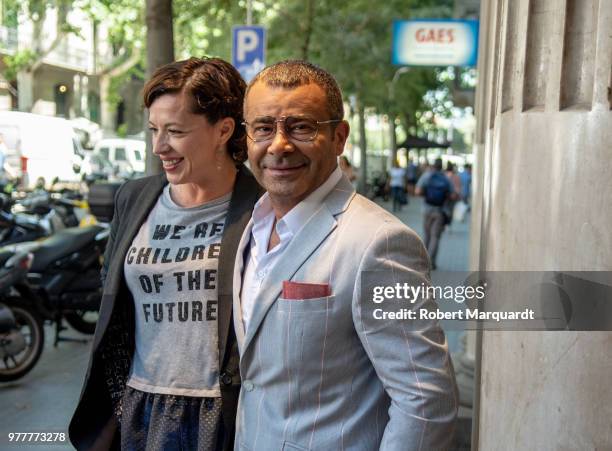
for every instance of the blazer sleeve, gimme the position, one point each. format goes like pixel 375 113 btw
pixel 410 358
pixel 114 227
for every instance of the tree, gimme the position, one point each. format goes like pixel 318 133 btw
pixel 160 51
pixel 352 39
pixel 122 24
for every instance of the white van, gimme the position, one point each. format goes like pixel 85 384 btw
pixel 40 146
pixel 126 155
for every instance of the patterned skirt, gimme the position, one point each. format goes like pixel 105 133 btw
pixel 155 422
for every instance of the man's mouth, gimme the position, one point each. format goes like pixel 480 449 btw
pixel 284 170
pixel 283 165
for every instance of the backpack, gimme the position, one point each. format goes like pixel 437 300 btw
pixel 437 189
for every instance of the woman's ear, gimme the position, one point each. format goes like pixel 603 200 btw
pixel 225 128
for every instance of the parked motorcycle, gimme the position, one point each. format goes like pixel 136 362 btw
pixel 16 228
pixel 64 280
pixel 22 336
pixel 39 215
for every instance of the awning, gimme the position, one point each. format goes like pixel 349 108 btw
pixel 414 142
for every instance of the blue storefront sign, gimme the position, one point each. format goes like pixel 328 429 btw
pixel 435 42
pixel 248 49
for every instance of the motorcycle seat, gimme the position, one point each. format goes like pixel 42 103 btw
pixel 62 244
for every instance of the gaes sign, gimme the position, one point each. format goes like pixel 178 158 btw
pixel 435 42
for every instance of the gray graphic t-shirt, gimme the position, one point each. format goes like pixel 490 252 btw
pixel 171 270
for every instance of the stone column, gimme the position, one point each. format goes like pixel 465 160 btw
pixel 543 177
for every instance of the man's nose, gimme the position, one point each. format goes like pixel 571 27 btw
pixel 280 142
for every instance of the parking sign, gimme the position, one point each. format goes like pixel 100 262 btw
pixel 248 49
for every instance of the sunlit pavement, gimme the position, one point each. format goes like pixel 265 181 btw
pixel 44 399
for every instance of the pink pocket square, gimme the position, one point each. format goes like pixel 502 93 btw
pixel 300 290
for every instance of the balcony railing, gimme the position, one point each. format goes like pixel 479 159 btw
pixel 63 55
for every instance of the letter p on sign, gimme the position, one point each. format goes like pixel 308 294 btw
pixel 246 42
pixel 248 50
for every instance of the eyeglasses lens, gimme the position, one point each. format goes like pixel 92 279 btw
pixel 297 128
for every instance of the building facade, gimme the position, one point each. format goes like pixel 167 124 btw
pixel 72 78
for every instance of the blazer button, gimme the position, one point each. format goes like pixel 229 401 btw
pixel 248 385
pixel 226 379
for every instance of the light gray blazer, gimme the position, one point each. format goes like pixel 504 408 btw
pixel 321 374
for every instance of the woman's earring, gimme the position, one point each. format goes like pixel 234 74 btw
pixel 219 158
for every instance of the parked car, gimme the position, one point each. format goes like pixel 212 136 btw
pixel 126 155
pixel 96 167
pixel 40 146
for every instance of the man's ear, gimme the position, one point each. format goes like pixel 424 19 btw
pixel 341 134
pixel 225 128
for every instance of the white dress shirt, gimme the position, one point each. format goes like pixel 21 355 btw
pixel 260 261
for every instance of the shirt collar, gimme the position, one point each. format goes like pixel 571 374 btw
pixel 302 212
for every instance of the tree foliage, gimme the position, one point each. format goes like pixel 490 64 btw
pixel 350 38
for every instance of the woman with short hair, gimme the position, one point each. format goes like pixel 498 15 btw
pixel 164 368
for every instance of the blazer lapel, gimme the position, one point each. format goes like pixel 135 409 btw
pixel 246 192
pixel 134 219
pixel 301 247
pixel 314 232
pixel 237 283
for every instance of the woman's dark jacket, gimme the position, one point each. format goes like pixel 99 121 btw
pixel 94 424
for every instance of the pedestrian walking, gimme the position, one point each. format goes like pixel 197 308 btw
pixel 437 190
pixel 449 205
pixel 411 176
pixel 397 182
pixel 466 183
pixel 347 169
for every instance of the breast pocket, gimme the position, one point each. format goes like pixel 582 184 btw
pixel 307 334
pixel 304 306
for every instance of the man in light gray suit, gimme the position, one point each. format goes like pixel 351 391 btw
pixel 321 368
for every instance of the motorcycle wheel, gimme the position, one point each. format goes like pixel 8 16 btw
pixel 82 321
pixel 30 325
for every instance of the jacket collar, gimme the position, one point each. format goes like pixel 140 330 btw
pixel 312 235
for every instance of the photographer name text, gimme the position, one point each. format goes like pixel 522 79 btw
pixel 461 315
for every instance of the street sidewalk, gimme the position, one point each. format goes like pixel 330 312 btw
pixel 453 253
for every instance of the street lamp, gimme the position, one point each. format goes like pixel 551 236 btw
pixel 396 76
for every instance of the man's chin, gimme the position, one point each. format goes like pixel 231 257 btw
pixel 283 192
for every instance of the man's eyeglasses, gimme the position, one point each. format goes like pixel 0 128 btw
pixel 297 128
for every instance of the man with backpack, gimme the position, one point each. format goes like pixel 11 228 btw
pixel 437 190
